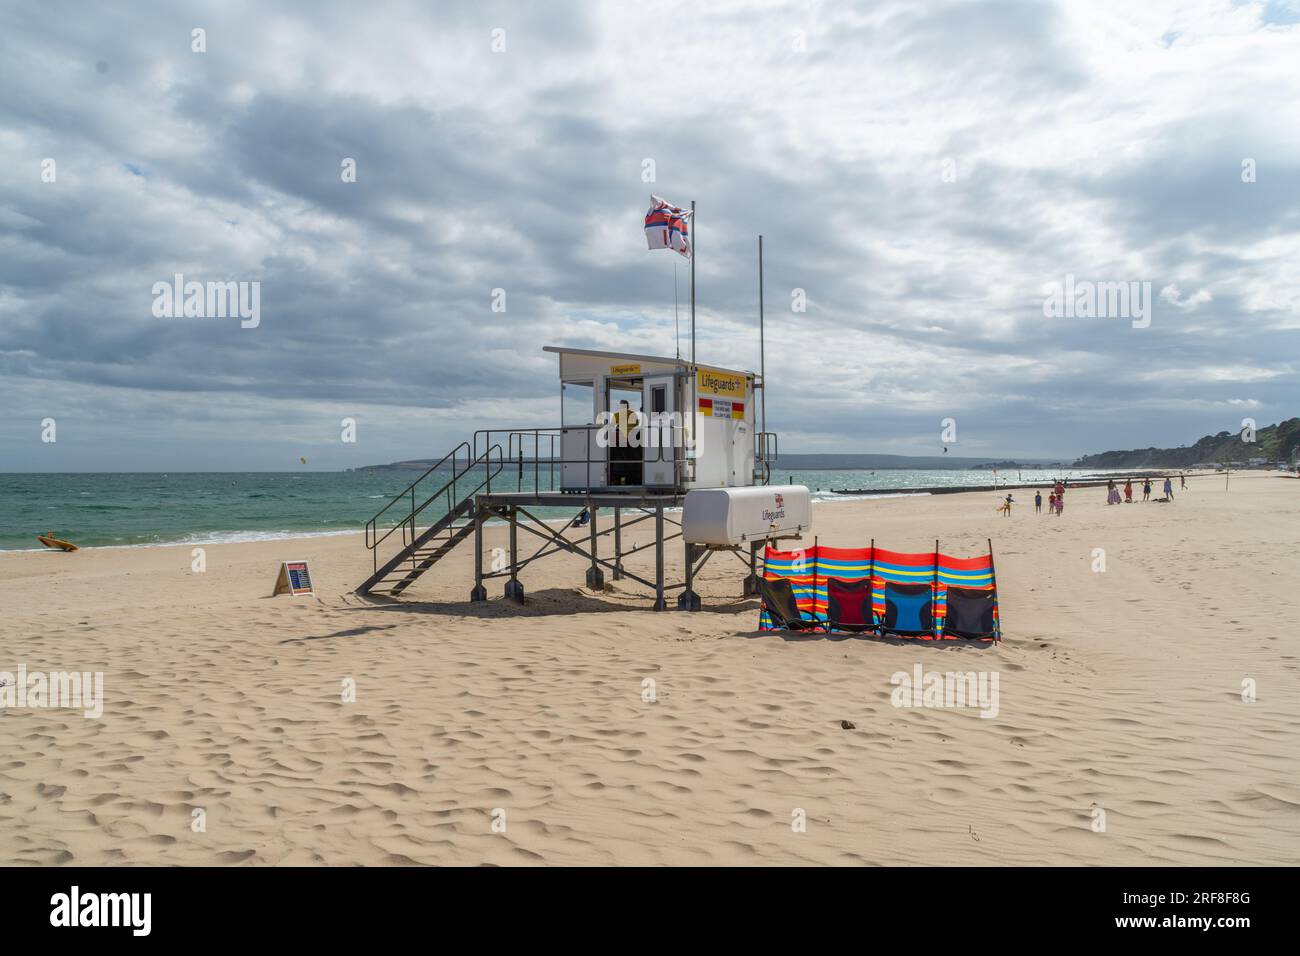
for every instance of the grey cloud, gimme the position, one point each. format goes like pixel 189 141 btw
pixel 522 171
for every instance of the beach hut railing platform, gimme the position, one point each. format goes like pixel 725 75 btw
pixel 501 475
pixel 506 475
pixel 694 426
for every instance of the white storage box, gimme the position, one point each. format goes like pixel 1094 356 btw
pixel 740 515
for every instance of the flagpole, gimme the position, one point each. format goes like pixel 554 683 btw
pixel 695 374
pixel 693 238
pixel 677 328
pixel 762 351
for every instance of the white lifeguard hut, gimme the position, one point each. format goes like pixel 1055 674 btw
pixel 644 422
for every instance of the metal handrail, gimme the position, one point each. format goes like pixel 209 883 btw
pixel 537 437
pixel 410 489
pixel 407 524
pixel 763 443
pixel 553 432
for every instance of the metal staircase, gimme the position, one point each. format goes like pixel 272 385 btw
pixel 422 548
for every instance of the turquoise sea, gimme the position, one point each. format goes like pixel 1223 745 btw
pixel 133 510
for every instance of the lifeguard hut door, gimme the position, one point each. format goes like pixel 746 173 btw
pixel 661 427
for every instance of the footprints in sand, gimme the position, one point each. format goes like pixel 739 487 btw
pixel 455 719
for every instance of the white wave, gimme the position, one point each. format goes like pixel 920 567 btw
pixel 234 537
pixel 210 537
pixel 892 494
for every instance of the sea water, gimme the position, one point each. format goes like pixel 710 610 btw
pixel 140 510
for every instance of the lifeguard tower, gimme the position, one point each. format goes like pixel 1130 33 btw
pixel 637 433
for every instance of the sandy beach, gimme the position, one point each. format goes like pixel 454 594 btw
pixel 1120 691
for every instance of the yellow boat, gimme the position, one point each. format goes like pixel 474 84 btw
pixel 52 542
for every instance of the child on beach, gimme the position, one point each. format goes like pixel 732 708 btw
pixel 1128 491
pixel 1060 504
pixel 1169 488
pixel 1005 507
pixel 1146 489
pixel 1038 502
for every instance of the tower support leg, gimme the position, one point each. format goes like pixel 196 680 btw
pixel 751 581
pixel 689 600
pixel 514 588
pixel 480 592
pixel 595 576
pixel 618 544
pixel 660 603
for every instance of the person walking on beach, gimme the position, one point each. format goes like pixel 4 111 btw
pixel 1182 482
pixel 1146 489
pixel 1128 491
pixel 1169 488
pixel 1038 502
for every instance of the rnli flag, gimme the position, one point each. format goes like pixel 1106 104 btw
pixel 668 227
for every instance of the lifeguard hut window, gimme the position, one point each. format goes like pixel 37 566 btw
pixel 576 403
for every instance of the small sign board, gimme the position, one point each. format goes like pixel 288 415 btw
pixel 294 579
pixel 722 408
pixel 710 381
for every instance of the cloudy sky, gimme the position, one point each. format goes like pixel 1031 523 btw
pixel 924 172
